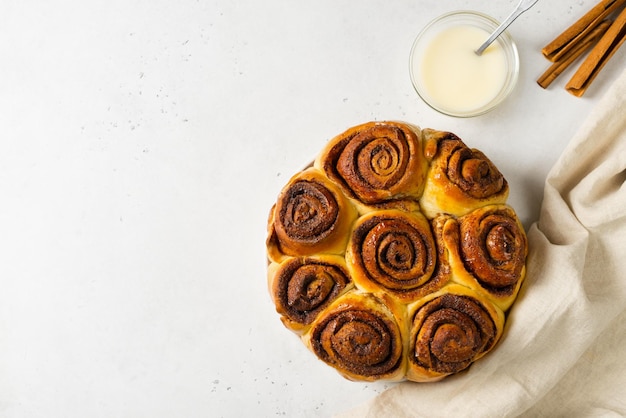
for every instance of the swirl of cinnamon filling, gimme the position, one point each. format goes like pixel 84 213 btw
pixel 472 171
pixel 302 287
pixel 450 332
pixel 460 178
pixel 360 337
pixel 311 215
pixel 392 250
pixel 376 162
pixel 308 212
pixel 494 246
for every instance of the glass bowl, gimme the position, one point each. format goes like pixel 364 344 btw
pixel 450 77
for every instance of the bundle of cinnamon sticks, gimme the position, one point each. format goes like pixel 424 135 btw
pixel 602 30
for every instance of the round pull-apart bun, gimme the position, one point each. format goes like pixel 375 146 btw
pixel 395 256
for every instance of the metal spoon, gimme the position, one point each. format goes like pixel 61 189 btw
pixel 521 8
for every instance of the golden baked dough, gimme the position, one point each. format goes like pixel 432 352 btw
pixel 488 249
pixel 310 216
pixel 376 162
pixel 394 256
pixel 449 330
pixel 393 251
pixel 362 336
pixel 460 179
pixel 301 287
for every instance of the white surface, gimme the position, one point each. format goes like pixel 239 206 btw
pixel 142 144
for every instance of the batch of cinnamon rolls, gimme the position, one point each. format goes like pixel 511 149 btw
pixel 395 256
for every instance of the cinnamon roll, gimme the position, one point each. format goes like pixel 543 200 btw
pixel 361 336
pixel 301 287
pixel 488 252
pixel 310 216
pixel 449 330
pixel 394 251
pixel 460 179
pixel 376 162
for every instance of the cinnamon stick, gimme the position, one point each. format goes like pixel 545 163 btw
pixel 599 56
pixel 583 26
pixel 572 54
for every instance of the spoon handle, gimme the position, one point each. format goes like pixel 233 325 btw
pixel 521 8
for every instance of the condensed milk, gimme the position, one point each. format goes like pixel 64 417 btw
pixel 451 77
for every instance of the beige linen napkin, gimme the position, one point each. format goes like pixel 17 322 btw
pixel 564 348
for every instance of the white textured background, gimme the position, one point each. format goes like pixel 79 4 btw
pixel 142 144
